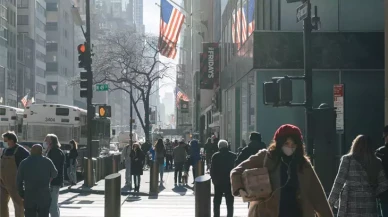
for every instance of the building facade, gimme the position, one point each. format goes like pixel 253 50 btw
pixel 32 25
pixel 11 72
pixel 3 52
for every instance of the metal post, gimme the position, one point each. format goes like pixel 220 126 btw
pixel 131 115
pixel 307 30
pixel 89 179
pixel 200 169
pixel 203 196
pixel 113 195
pixel 154 178
pixel 94 170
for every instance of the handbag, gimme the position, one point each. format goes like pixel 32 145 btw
pixel 257 182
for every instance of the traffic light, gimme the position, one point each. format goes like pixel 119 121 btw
pixel 104 111
pixel 270 93
pixel 84 84
pixel 285 90
pixel 83 56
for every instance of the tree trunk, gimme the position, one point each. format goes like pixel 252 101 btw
pixel 147 120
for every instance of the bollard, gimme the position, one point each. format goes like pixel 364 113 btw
pixel 114 164
pixel 88 181
pixel 98 169
pixel 108 165
pixel 202 196
pixel 154 178
pixel 94 162
pixel 84 166
pixel 113 195
pixel 200 169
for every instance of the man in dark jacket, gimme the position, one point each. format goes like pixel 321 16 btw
pixel 253 147
pixel 179 155
pixel 33 181
pixel 221 165
pixel 57 156
pixel 382 153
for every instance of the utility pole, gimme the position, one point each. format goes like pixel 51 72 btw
pixel 90 108
pixel 308 71
pixel 131 116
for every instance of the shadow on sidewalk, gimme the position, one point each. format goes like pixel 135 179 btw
pixel 179 189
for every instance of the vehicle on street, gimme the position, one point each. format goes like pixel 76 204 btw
pixel 11 119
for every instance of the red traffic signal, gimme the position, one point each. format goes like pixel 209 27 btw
pixel 81 48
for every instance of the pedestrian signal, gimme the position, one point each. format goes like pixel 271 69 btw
pixel 104 111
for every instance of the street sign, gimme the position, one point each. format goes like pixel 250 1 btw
pixel 102 87
pixel 339 106
pixel 301 12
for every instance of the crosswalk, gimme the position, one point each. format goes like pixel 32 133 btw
pixel 76 205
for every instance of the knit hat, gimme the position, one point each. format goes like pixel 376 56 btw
pixel 287 130
pixel 255 136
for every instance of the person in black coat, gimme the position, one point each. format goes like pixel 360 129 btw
pixel 221 165
pixel 137 157
pixel 253 147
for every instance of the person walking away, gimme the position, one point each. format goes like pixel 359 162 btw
pixel 160 153
pixel 169 152
pixel 13 154
pixel 146 148
pixel 194 156
pixel 56 155
pixel 221 166
pixel 208 152
pixel 33 181
pixel 137 157
pixel 253 147
pixel 126 158
pixel 296 189
pixel 360 179
pixel 382 154
pixel 179 154
pixel 72 161
pixel 243 145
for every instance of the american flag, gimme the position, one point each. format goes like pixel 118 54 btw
pixel 24 100
pixel 171 21
pixel 251 17
pixel 181 96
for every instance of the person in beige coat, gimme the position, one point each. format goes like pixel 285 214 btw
pixel 296 189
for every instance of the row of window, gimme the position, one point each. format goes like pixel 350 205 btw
pixel 40 9
pixel 23 3
pixel 11 17
pixel 40 24
pixel 40 88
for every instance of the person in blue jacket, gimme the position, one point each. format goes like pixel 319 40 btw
pixel 194 155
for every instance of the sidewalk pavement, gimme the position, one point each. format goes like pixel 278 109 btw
pixel 168 187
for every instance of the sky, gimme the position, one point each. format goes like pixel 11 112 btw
pixel 151 21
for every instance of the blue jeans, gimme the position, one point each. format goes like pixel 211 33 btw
pixel 161 171
pixel 54 208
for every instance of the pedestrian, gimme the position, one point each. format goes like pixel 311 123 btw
pixel 126 159
pixel 56 155
pixel 382 154
pixel 360 179
pixel 137 157
pixel 72 162
pixel 33 180
pixel 146 148
pixel 208 152
pixel 296 189
pixel 179 155
pixel 194 156
pixel 169 152
pixel 160 152
pixel 243 145
pixel 221 166
pixel 253 147
pixel 13 154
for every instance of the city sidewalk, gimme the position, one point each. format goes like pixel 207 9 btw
pixel 168 187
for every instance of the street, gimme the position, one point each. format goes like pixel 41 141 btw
pixel 92 205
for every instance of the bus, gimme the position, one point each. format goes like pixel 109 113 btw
pixel 67 122
pixel 11 119
pixel 124 138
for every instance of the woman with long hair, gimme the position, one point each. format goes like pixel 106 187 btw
pixel 359 181
pixel 296 189
pixel 137 157
pixel 72 163
pixel 160 153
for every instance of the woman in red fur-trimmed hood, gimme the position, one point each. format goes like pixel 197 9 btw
pixel 297 191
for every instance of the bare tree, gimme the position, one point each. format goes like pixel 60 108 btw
pixel 125 59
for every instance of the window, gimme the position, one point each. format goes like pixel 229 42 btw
pixel 3 11
pixel 40 25
pixel 40 88
pixel 40 56
pixel 39 72
pixel 65 52
pixel 52 26
pixel 40 9
pixel 65 33
pixel 52 6
pixel 66 17
pixel 22 19
pixel 52 67
pixel 23 3
pixel 41 41
pixel 52 47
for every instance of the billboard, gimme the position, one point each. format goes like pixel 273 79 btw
pixel 210 66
